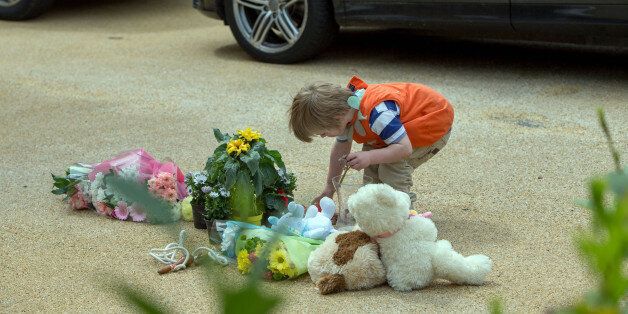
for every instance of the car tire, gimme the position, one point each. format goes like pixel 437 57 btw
pixel 315 28
pixel 17 10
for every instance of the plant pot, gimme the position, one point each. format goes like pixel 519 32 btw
pixel 254 220
pixel 198 213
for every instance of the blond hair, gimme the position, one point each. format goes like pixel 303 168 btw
pixel 317 107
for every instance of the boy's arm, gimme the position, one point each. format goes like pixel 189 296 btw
pixel 339 150
pixel 389 154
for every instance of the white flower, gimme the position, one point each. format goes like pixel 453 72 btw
pixel 129 172
pixel 224 192
pixel 199 178
pixel 213 194
pixel 206 189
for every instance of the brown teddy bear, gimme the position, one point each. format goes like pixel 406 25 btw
pixel 346 261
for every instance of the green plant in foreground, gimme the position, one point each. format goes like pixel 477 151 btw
pixel 246 299
pixel 605 245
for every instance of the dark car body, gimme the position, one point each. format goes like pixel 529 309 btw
pixel 595 18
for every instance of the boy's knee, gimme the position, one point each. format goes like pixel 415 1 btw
pixel 397 175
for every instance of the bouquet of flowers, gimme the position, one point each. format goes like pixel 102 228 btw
pixel 286 257
pixel 242 178
pixel 85 186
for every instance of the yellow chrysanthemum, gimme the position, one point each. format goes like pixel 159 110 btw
pixel 249 135
pixel 244 264
pixel 290 271
pixel 279 261
pixel 237 146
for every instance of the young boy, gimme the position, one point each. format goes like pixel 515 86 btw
pixel 401 126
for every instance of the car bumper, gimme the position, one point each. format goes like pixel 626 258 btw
pixel 207 7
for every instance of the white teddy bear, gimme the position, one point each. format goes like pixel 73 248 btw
pixel 408 247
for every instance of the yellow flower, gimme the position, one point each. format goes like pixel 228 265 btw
pixel 249 135
pixel 237 146
pixel 279 261
pixel 290 271
pixel 244 264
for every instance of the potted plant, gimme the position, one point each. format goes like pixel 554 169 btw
pixel 197 188
pixel 253 177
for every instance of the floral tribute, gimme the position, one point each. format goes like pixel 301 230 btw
pixel 242 178
pixel 277 265
pixel 85 186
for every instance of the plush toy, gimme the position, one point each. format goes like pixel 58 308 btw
pixel 314 224
pixel 317 225
pixel 346 261
pixel 408 247
pixel 291 222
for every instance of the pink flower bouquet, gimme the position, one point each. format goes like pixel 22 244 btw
pixel 85 187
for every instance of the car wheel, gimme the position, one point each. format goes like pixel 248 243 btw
pixel 23 9
pixel 281 31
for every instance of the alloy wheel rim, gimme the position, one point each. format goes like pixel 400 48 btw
pixel 271 26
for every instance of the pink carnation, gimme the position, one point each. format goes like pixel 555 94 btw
pixel 103 209
pixel 78 201
pixel 136 213
pixel 121 211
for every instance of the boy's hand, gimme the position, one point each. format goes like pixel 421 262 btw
pixel 329 192
pixel 359 160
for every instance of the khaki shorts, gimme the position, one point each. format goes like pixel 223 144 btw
pixel 399 174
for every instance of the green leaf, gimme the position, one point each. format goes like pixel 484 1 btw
pixel 209 162
pixel 220 137
pixel 248 300
pixel 275 202
pixel 231 170
pixel 276 157
pixel 142 301
pixel 58 192
pixel 251 159
pixel 268 173
pixel 243 196
pixel 257 182
pixel 618 182
pixel 157 210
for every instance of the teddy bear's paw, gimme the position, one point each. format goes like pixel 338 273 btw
pixel 331 284
pixel 401 288
pixel 482 265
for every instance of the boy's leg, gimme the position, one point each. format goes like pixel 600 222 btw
pixel 422 154
pixel 399 174
pixel 371 171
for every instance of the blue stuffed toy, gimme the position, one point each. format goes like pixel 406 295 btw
pixel 318 224
pixel 313 225
pixel 291 222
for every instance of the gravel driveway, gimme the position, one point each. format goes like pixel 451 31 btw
pixel 93 78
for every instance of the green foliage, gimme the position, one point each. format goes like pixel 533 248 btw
pixel 246 299
pixel 157 210
pixel 64 185
pixel 243 200
pixel 605 245
pixel 265 169
pixel 140 300
pixel 496 307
